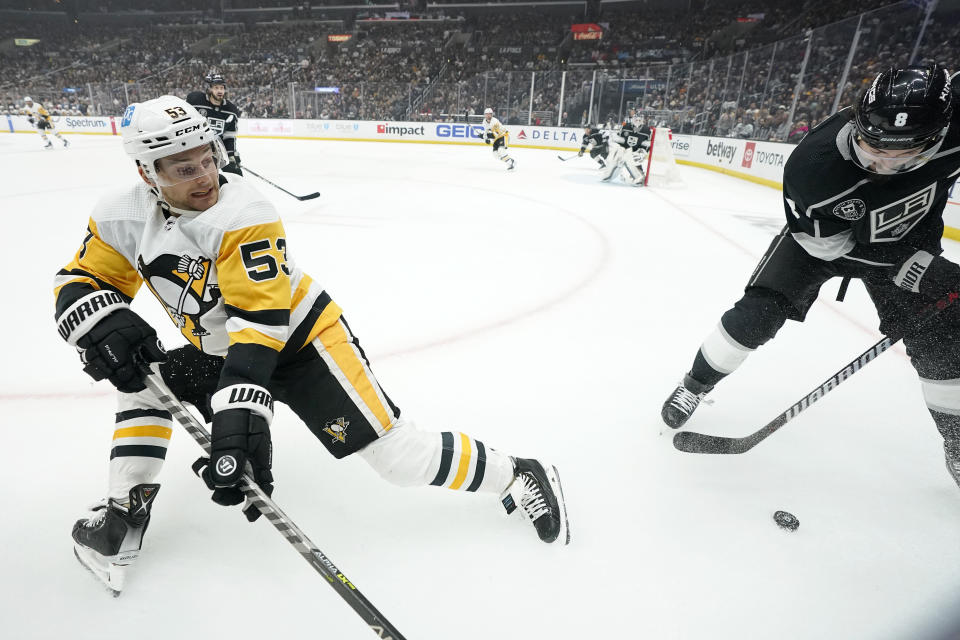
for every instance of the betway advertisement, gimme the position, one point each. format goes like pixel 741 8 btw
pixel 751 159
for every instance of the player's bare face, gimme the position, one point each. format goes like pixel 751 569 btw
pixel 189 179
pixel 217 92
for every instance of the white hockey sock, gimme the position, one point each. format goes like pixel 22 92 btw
pixel 408 457
pixel 140 440
pixel 722 352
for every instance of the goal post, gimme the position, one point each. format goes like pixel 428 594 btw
pixel 661 166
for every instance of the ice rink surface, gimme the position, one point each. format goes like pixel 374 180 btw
pixel 546 314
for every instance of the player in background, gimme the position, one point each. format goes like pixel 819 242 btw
pixel 863 194
pixel 40 118
pixel 596 141
pixel 222 115
pixel 494 133
pixel 259 330
pixel 624 145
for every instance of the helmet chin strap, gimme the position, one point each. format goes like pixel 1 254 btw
pixel 165 204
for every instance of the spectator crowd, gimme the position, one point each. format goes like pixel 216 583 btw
pixel 760 69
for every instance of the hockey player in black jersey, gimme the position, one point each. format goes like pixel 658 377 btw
pixel 863 195
pixel 222 115
pixel 596 141
pixel 625 153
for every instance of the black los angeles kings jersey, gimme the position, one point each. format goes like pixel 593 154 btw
pixel 837 211
pixel 223 118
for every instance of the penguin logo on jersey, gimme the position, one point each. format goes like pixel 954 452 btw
pixel 853 209
pixel 338 429
pixel 181 284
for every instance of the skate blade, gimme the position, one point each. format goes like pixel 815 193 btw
pixel 554 477
pixel 110 576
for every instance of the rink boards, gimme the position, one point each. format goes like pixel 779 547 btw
pixel 756 161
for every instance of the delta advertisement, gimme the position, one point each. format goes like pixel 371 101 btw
pixel 752 160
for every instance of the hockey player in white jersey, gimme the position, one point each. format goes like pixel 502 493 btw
pixel 214 252
pixel 496 134
pixel 40 118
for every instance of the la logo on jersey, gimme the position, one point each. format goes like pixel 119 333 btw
pixel 895 220
pixel 182 284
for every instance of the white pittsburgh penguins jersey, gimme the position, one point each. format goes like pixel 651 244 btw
pixel 494 127
pixel 37 111
pixel 222 275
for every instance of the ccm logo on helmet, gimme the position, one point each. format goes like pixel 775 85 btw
pixel 180 132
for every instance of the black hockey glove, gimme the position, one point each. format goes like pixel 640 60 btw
pixel 240 435
pixel 927 274
pixel 235 159
pixel 112 339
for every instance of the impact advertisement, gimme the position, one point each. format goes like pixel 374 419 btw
pixel 753 160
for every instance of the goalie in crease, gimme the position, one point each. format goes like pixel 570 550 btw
pixel 258 329
pixel 863 196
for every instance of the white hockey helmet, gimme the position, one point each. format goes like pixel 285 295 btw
pixel 488 110
pixel 27 99
pixel 166 126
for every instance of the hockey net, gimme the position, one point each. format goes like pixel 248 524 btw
pixel 661 165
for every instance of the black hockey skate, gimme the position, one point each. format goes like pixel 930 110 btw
pixel 109 540
pixel 951 452
pixel 536 490
pixel 683 402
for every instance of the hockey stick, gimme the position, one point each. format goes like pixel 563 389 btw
pixel 309 196
pixel 692 442
pixel 562 159
pixel 323 565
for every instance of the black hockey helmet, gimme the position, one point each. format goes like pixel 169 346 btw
pixel 905 108
pixel 214 77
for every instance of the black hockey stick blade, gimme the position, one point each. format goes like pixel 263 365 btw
pixel 691 442
pixel 562 159
pixel 309 196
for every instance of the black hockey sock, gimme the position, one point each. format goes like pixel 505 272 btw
pixel 703 373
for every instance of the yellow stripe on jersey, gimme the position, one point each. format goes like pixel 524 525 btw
pixel 464 466
pixel 252 336
pixel 303 288
pixel 329 317
pixel 145 431
pixel 103 262
pixel 353 371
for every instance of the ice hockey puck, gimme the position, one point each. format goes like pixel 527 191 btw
pixel 786 520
